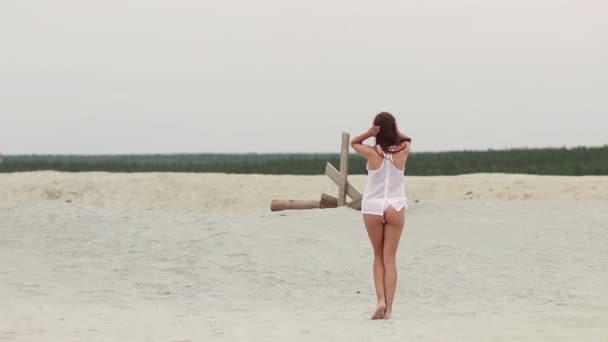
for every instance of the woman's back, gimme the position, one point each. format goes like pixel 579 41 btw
pixel 385 185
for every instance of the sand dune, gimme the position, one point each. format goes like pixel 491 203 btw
pixel 521 258
pixel 215 192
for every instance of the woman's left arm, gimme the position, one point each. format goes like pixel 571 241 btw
pixel 357 142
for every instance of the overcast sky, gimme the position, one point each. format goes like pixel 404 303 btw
pixel 150 76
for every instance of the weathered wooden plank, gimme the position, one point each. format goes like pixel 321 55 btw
pixel 334 175
pixel 354 204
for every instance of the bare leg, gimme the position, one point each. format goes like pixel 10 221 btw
pixel 375 230
pixel 392 234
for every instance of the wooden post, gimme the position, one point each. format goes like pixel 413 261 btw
pixel 343 169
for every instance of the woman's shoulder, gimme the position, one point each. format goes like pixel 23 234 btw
pixel 403 147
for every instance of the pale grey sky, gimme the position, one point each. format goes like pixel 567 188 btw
pixel 150 76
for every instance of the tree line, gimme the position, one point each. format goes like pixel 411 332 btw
pixel 543 161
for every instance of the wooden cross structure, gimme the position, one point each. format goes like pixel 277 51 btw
pixel 340 178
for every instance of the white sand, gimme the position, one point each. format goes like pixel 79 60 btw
pixel 526 259
pixel 216 192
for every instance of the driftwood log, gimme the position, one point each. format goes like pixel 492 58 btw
pixel 327 201
pixel 278 205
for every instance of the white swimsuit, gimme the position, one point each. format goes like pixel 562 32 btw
pixel 385 186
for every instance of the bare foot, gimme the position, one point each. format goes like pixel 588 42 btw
pixel 379 311
pixel 387 315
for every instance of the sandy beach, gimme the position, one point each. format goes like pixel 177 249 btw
pixel 200 257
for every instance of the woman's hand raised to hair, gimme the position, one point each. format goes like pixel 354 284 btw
pixel 362 149
pixel 358 140
pixel 373 131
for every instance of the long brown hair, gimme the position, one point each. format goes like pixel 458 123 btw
pixel 388 136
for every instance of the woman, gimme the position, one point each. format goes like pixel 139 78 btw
pixel 384 203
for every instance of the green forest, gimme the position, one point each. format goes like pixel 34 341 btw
pixel 543 161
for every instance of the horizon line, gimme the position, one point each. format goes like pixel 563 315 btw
pixel 300 153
